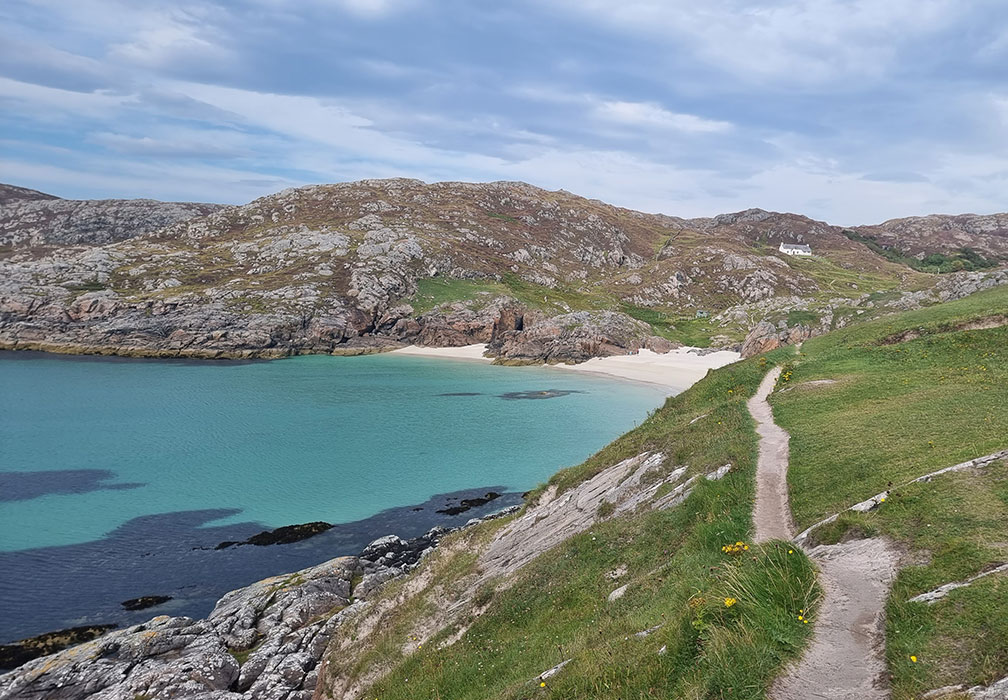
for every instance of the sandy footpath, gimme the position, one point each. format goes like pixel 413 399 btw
pixel 674 371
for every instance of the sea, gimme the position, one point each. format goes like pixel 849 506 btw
pixel 119 477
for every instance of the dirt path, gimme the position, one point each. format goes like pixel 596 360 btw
pixel 772 514
pixel 846 659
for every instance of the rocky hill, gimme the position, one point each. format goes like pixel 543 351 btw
pixel 920 236
pixel 30 219
pixel 354 267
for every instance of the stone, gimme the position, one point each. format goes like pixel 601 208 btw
pixel 144 602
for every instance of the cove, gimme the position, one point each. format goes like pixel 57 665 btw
pixel 99 456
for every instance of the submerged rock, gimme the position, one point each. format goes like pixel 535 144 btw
pixel 288 534
pixel 144 602
pixel 469 503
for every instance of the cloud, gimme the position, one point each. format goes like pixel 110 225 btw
pixel 848 110
pixel 648 114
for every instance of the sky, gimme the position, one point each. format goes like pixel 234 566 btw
pixel 851 111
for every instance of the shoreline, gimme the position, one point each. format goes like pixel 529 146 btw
pixel 675 371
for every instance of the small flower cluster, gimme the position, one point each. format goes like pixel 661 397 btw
pixel 728 602
pixel 735 549
pixel 801 617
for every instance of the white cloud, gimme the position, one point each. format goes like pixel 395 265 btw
pixel 802 41
pixel 648 114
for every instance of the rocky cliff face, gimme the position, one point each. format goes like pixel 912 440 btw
pixel 356 267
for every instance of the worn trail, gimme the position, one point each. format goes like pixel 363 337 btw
pixel 846 658
pixel 772 513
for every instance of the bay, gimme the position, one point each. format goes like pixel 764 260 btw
pixel 110 465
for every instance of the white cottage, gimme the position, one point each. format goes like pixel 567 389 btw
pixel 795 249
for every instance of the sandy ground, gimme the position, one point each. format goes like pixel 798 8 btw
pixel 674 371
pixel 772 514
pixel 465 352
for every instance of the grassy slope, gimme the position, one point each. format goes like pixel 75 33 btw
pixel 901 410
pixel 678 574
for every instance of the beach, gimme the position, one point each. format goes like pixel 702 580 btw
pixel 675 371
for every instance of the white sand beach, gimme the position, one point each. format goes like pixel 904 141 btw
pixel 464 352
pixel 675 371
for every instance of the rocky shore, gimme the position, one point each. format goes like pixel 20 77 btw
pixel 261 642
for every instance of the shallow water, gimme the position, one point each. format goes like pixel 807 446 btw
pixel 111 471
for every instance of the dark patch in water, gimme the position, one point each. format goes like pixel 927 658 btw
pixel 82 584
pixel 545 394
pixel 462 393
pixel 24 486
pixel 288 534
pixel 469 503
pixel 144 602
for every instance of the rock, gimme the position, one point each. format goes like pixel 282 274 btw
pixel 762 338
pixel 13 655
pixel 546 675
pixel 618 593
pixel 288 534
pixel 144 602
pixel 574 337
pixel 469 503
pixel 765 337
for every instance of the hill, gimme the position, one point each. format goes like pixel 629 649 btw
pixel 356 267
pixel 30 219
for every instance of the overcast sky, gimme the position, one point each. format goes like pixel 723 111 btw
pixel 853 111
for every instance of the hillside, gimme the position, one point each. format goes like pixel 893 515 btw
pixel 357 267
pixel 636 574
pixel 34 220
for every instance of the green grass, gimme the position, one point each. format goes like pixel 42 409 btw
pixel 897 411
pixel 835 280
pixel 688 330
pixel 435 291
pixel 679 578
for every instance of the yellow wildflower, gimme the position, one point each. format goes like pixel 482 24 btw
pixel 728 602
pixel 913 658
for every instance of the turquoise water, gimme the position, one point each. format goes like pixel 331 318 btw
pixel 288 441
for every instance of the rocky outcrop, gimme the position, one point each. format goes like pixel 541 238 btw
pixel 288 534
pixel 765 337
pixel 13 655
pixel 262 642
pixel 31 219
pixel 575 337
pixel 144 602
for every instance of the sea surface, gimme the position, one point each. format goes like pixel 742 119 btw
pixel 118 477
